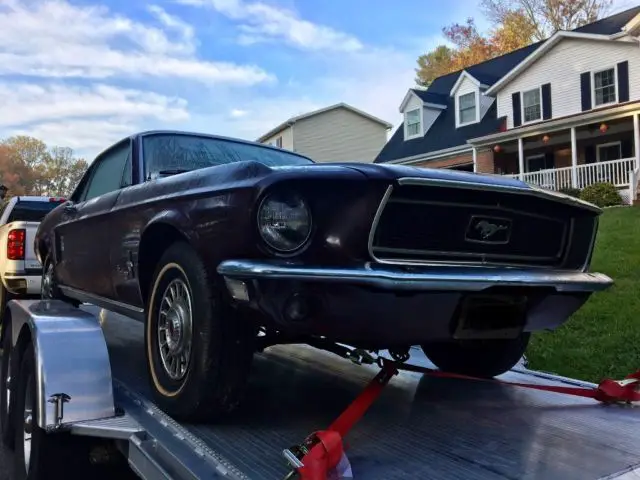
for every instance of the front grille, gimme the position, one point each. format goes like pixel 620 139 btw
pixel 420 224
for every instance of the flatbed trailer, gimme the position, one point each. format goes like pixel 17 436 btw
pixel 420 427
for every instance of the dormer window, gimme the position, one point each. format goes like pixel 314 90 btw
pixel 467 108
pixel 531 105
pixel 413 123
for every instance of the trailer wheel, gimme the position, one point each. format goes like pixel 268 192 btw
pixel 39 454
pixel 477 358
pixel 5 297
pixel 198 352
pixel 49 289
pixel 6 422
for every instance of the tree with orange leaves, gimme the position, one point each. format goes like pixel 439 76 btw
pixel 516 24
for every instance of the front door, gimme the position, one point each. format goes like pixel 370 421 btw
pixel 84 235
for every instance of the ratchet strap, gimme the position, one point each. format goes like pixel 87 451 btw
pixel 318 457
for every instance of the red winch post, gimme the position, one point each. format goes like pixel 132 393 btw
pixel 326 446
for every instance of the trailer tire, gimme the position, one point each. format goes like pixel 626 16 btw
pixel 49 289
pixel 6 421
pixel 50 455
pixel 5 297
pixel 219 357
pixel 477 358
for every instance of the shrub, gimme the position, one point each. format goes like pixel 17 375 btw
pixel 574 192
pixel 601 194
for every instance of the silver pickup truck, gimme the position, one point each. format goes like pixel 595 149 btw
pixel 20 270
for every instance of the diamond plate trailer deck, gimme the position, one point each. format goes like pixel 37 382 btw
pixel 421 427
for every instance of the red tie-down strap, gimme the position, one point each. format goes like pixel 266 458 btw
pixel 322 451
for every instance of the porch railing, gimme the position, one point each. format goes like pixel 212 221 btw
pixel 615 171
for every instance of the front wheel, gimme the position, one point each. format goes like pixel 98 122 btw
pixel 477 358
pixel 199 352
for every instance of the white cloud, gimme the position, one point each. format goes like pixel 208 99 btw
pixel 53 38
pixel 263 23
pixel 84 118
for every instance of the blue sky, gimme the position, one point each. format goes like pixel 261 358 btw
pixel 82 73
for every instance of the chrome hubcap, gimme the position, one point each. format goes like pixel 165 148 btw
pixel 175 329
pixel 27 426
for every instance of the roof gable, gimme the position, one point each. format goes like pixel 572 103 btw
pixel 292 120
pixel 428 99
pixel 540 51
pixel 465 75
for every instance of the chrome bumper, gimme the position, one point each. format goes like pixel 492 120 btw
pixel 431 278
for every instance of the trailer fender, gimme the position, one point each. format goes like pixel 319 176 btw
pixel 72 361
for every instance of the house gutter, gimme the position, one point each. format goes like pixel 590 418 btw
pixel 577 120
pixel 448 152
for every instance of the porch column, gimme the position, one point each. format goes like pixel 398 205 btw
pixel 475 159
pixel 520 158
pixel 574 158
pixel 636 137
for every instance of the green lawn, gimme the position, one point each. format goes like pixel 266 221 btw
pixel 603 338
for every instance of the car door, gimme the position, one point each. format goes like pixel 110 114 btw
pixel 84 234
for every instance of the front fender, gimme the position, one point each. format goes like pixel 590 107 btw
pixel 71 358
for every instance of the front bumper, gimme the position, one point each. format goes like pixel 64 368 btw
pixel 379 306
pixel 392 277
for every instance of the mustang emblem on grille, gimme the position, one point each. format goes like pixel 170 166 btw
pixel 488 230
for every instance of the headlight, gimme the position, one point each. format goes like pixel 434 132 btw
pixel 284 222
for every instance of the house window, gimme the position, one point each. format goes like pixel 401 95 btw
pixel 279 142
pixel 604 86
pixel 531 105
pixel 412 121
pixel 467 108
pixel 609 151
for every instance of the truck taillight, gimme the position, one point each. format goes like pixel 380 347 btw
pixel 15 244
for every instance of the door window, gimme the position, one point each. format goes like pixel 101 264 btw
pixel 109 173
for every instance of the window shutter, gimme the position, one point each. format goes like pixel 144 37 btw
pixel 515 101
pixel 546 101
pixel 623 81
pixel 585 90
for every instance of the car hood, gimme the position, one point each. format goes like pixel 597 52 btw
pixel 443 176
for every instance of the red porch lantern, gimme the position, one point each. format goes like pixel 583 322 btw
pixel 545 139
pixel 604 127
pixel 497 148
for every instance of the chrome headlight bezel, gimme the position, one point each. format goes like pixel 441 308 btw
pixel 269 240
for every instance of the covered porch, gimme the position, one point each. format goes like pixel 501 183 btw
pixel 572 153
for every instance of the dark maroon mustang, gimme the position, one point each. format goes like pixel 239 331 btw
pixel 222 247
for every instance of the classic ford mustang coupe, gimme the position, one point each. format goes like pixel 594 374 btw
pixel 222 247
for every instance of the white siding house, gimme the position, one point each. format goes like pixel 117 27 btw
pixel 571 113
pixel 338 133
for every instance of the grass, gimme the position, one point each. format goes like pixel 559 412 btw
pixel 602 339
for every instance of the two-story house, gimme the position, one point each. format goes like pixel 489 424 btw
pixel 558 113
pixel 338 133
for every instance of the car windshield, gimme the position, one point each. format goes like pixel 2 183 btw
pixel 32 210
pixel 173 153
